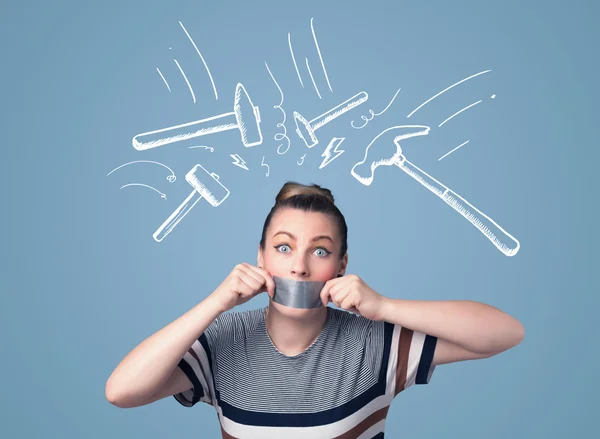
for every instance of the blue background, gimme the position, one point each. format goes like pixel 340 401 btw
pixel 82 281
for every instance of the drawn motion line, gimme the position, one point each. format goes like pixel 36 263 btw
pixel 186 80
pixel 374 114
pixel 163 78
pixel 448 153
pixel 294 59
pixel 280 136
pixel 460 111
pixel 319 52
pixel 145 185
pixel 171 178
pixel 203 61
pixel 262 163
pixel 445 90
pixel 313 79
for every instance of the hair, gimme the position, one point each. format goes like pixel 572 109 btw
pixel 308 198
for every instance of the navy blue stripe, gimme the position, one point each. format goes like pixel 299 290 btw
pixel 198 391
pixel 320 418
pixel 204 342
pixel 378 436
pixel 426 359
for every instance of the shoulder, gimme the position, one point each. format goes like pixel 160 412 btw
pixel 353 324
pixel 236 323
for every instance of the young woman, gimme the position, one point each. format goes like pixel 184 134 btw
pixel 292 372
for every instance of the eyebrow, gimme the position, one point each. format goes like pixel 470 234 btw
pixel 316 238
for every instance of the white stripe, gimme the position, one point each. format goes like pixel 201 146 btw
pixel 322 431
pixel 393 362
pixel 374 429
pixel 414 355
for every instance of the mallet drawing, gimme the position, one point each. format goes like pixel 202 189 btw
pixel 206 185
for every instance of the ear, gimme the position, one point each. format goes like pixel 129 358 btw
pixel 259 258
pixel 343 264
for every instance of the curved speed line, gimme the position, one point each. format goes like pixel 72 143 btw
pixel 445 90
pixel 319 52
pixel 203 61
pixel 171 178
pixel 145 185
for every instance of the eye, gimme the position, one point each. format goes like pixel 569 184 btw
pixel 278 247
pixel 323 251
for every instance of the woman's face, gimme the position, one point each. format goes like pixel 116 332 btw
pixel 302 245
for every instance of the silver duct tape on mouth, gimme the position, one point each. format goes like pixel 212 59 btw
pixel 297 293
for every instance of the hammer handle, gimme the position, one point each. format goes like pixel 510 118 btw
pixel 177 215
pixel 503 240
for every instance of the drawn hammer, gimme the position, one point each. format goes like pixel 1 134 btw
pixel 206 185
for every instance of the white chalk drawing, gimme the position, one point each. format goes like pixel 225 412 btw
pixel 163 78
pixel 238 161
pixel 171 178
pixel 262 163
pixel 448 153
pixel 280 136
pixel 313 79
pixel 186 81
pixel 460 111
pixel 331 150
pixel 319 52
pixel 145 185
pixel 306 130
pixel 294 59
pixel 374 114
pixel 203 61
pixel 245 117
pixel 206 185
pixel 301 160
pixel 210 148
pixel 505 242
pixel 445 90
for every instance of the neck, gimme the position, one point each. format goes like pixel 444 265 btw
pixel 293 335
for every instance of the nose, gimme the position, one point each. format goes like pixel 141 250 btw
pixel 299 267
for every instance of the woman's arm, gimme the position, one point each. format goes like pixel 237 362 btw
pixel 465 329
pixel 143 372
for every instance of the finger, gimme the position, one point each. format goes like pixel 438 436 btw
pixel 325 291
pixel 347 303
pixel 264 276
pixel 247 269
pixel 249 280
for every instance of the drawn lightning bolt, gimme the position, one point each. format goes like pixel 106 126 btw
pixel 238 161
pixel 328 153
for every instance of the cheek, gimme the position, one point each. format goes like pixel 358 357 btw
pixel 325 272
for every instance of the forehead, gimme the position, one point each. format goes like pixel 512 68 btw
pixel 299 223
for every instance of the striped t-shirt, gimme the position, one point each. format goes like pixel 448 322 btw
pixel 341 386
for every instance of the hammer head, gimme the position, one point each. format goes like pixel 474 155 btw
pixel 207 184
pixel 247 117
pixel 304 130
pixel 384 150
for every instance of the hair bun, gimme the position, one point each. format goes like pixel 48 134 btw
pixel 292 188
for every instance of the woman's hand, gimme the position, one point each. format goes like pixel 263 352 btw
pixel 243 283
pixel 353 294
